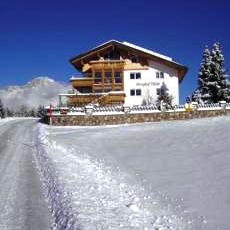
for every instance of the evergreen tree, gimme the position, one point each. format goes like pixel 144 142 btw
pixel 219 84
pixel 213 84
pixel 202 94
pixel 2 110
pixel 164 97
pixel 32 113
pixel 23 111
pixel 41 112
pixel 9 112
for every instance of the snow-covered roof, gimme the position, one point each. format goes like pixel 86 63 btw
pixel 135 47
pixel 131 45
pixel 77 60
pixel 147 51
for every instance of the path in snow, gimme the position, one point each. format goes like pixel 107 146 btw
pixel 22 204
pixel 183 165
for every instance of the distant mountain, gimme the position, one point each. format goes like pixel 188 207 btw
pixel 39 91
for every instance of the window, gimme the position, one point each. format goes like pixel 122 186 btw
pixel 132 92
pixel 132 76
pixel 160 75
pixel 138 75
pixel 138 92
pixel 118 77
pixel 135 75
pixel 135 92
pixel 98 78
pixel 108 77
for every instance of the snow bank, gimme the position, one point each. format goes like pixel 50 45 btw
pixel 84 193
pixel 8 119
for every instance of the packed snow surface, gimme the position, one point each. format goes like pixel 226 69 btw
pixel 169 175
pixel 22 203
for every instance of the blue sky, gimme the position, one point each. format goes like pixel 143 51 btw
pixel 39 37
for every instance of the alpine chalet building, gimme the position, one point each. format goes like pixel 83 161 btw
pixel 122 73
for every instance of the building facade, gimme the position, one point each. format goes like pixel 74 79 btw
pixel 122 73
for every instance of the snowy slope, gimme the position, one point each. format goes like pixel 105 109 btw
pixel 170 175
pixel 39 91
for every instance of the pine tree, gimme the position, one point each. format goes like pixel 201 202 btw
pixel 41 112
pixel 213 84
pixel 202 94
pixel 164 97
pixel 2 110
pixel 9 112
pixel 219 84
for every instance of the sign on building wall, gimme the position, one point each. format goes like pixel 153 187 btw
pixel 147 84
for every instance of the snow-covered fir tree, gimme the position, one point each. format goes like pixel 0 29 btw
pixel 213 84
pixel 219 83
pixel 2 110
pixel 202 94
pixel 41 112
pixel 164 97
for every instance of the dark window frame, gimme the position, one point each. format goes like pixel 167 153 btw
pixel 135 75
pixel 138 92
pixel 132 92
pixel 117 79
pixel 157 75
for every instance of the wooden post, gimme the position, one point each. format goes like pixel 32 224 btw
pixel 103 80
pixel 113 79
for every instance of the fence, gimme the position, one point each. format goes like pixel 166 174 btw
pixel 94 110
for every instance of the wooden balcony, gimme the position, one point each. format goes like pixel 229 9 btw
pixel 81 82
pixel 82 99
pixel 107 64
pixel 114 98
pixel 102 99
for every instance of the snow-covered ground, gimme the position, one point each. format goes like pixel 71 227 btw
pixel 22 203
pixel 169 175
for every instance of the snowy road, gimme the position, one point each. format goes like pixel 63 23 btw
pixel 22 203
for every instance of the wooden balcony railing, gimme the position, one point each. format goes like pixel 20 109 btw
pixel 82 82
pixel 102 99
pixel 107 64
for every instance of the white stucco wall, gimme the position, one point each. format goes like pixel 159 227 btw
pixel 149 83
